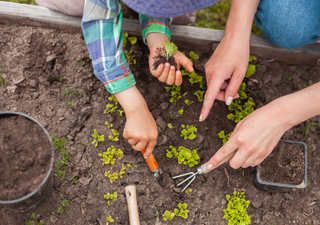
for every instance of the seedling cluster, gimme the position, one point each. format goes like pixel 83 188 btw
pixel 112 107
pixel 115 133
pixel 79 62
pixel 126 39
pixel 109 218
pixel 188 132
pixel 189 191
pixel 181 212
pixel 70 92
pixel 185 156
pixel 112 197
pixel 97 138
pixel 63 207
pixel 109 157
pixel 175 93
pixel 131 59
pixel 64 158
pixel 33 217
pixel 224 137
pixel 251 68
pixel 236 212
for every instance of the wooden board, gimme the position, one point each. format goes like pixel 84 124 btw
pixel 195 38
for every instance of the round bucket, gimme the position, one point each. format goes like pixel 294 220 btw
pixel 34 198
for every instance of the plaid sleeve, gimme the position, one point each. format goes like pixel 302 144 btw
pixel 102 30
pixel 153 24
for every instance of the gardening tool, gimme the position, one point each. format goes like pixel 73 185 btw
pixel 200 170
pixel 153 165
pixel 131 195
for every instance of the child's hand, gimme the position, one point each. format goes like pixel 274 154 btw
pixel 166 73
pixel 140 129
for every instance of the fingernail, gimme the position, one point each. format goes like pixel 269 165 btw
pixel 167 64
pixel 200 118
pixel 229 100
pixel 161 66
pixel 146 157
pixel 209 166
pixel 172 67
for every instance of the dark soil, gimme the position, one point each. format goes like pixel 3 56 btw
pixel 161 58
pixel 33 59
pixel 25 154
pixel 284 165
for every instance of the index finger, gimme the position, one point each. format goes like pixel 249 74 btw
pixel 211 94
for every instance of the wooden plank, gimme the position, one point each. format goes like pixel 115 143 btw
pixel 195 38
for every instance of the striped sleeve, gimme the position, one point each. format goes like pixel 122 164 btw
pixel 102 30
pixel 153 24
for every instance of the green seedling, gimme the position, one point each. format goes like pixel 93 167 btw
pixel 33 217
pixel 236 211
pixel 243 173
pixel 109 218
pixel 170 48
pixel 189 191
pixel 126 39
pixel 251 68
pixel 309 125
pixel 188 132
pixel 97 138
pixel 79 63
pixel 157 215
pixel 240 111
pixel 46 211
pixel 170 125
pixel 199 94
pixel 129 165
pixel 252 58
pixel 168 215
pixel 112 177
pixel 64 158
pixel 70 104
pixel 63 207
pixel 185 156
pixel 242 91
pixel 122 171
pixel 2 80
pixel 109 157
pixel 74 180
pixel 193 56
pixel 71 92
pixel 61 79
pixel 175 93
pixel 112 197
pixel 194 78
pixel 288 78
pixel 120 111
pixel 115 133
pixel 188 102
pixel 131 59
pixel 224 137
pixel 181 111
pixel 112 107
pixel 183 212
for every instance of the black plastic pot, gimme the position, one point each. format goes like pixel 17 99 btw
pixel 34 198
pixel 279 187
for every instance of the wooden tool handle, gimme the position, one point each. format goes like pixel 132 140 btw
pixel 132 204
pixel 152 163
pixel 204 166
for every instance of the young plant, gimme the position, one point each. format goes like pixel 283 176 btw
pixel 79 63
pixel 109 157
pixel 170 48
pixel 2 80
pixel 236 211
pixel 70 104
pixel 122 171
pixel 112 197
pixel 157 215
pixel 97 138
pixel 189 191
pixel 64 158
pixel 240 111
pixel 168 215
pixel 112 177
pixel 188 102
pixel 109 218
pixel 33 217
pixel 185 156
pixel 129 165
pixel 63 207
pixel 193 56
pixel 170 125
pixel 224 137
pixel 132 40
pixel 251 68
pixel 115 133
pixel 112 107
pixel 181 111
pixel 194 78
pixel 199 94
pixel 175 93
pixel 46 211
pixel 188 132
pixel 131 59
pixel 74 180
pixel 61 79
pixel 183 212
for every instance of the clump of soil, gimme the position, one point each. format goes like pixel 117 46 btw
pixel 284 165
pixel 25 154
pixel 161 58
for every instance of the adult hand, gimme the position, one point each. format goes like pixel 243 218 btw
pixel 226 67
pixel 254 137
pixel 165 72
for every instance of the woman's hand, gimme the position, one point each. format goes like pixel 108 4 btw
pixel 226 67
pixel 165 72
pixel 254 137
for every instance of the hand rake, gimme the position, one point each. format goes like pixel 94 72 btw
pixel 200 170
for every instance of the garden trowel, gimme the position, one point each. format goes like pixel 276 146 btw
pixel 154 167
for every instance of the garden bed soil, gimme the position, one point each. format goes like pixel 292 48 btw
pixel 284 165
pixel 161 58
pixel 25 154
pixel 34 59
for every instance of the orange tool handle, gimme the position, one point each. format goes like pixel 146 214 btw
pixel 151 161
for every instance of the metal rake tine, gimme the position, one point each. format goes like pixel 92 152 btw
pixel 182 175
pixel 194 177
